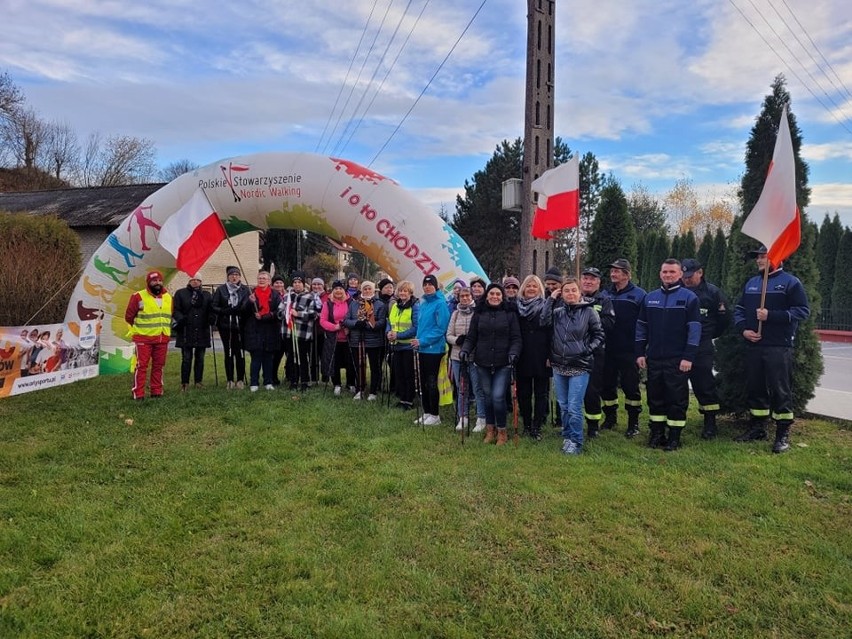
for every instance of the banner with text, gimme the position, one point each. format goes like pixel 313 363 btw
pixel 36 357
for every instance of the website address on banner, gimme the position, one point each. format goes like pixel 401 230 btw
pixel 36 383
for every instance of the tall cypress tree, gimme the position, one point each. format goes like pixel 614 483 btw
pixel 674 251
pixel 687 245
pixel 714 268
pixel 612 233
pixel 828 243
pixel 808 364
pixel 841 292
pixel 703 255
pixel 662 251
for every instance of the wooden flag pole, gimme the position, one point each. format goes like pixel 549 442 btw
pixel 763 293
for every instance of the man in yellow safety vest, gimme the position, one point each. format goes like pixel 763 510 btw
pixel 149 313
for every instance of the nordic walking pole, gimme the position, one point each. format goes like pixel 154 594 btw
pixel 514 404
pixel 462 401
pixel 215 366
pixel 418 386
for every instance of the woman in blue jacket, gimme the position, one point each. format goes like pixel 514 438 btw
pixel 430 344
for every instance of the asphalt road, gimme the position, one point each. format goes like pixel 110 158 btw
pixel 833 396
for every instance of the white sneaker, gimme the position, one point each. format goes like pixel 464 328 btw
pixel 419 420
pixel 431 420
pixel 269 387
pixel 371 397
pixel 357 396
pixel 480 425
pixel 337 390
pixel 253 389
pixel 462 424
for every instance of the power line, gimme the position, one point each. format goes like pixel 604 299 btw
pixel 387 72
pixel 358 79
pixel 828 64
pixel 343 84
pixel 428 84
pixel 791 69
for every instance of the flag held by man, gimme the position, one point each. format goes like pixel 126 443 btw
pixel 193 233
pixel 775 220
pixel 558 204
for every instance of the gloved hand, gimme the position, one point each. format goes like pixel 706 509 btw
pixel 460 340
pixel 463 355
pixel 513 359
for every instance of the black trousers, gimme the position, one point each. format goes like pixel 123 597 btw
pixel 668 392
pixel 342 360
pixel 372 356
pixel 592 399
pixel 430 364
pixel 533 400
pixel 770 381
pixel 298 363
pixel 232 348
pixel 403 375
pixel 190 356
pixel 703 381
pixel 621 367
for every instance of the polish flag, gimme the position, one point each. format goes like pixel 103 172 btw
pixel 193 233
pixel 558 204
pixel 775 220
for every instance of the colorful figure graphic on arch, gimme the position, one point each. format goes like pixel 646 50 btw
pixel 330 196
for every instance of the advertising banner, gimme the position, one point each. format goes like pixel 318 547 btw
pixel 47 355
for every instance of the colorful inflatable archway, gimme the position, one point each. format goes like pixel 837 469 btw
pixel 330 196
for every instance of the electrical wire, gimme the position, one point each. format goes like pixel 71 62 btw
pixel 428 84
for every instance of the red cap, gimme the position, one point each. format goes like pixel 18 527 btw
pixel 154 275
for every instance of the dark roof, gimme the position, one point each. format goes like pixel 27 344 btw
pixel 90 206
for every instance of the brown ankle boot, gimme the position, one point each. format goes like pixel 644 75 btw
pixel 502 436
pixel 490 434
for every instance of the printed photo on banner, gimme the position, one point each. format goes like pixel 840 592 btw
pixel 36 357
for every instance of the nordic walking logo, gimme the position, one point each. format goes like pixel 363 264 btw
pixel 228 174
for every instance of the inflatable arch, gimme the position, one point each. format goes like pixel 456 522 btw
pixel 330 196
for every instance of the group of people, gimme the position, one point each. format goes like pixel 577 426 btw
pixel 40 353
pixel 505 342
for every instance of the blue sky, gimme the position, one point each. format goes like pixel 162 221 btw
pixel 656 90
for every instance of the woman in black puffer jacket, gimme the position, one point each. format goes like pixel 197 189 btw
pixel 576 333
pixel 494 344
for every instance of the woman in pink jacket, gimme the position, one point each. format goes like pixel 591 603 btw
pixel 335 352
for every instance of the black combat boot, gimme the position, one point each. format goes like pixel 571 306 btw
pixel 782 437
pixel 756 432
pixel 610 420
pixel 632 425
pixel 673 439
pixel 709 430
pixel 535 431
pixel 591 428
pixel 657 438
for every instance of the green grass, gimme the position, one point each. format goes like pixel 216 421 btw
pixel 226 514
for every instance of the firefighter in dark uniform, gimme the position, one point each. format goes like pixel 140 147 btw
pixel 770 329
pixel 715 318
pixel 620 361
pixel 667 335
pixel 590 285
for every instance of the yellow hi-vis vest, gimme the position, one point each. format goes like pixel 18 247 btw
pixel 153 319
pixel 400 320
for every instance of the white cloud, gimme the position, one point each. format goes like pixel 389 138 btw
pixel 827 151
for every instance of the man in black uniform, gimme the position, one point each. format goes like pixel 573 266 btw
pixel 620 361
pixel 714 320
pixel 590 285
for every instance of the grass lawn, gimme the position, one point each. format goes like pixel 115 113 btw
pixel 228 514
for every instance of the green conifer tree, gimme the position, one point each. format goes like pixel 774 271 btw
pixel 704 250
pixel 828 243
pixel 841 292
pixel 808 364
pixel 687 246
pixel 674 250
pixel 612 233
pixel 714 268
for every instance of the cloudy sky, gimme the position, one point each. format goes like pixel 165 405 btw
pixel 657 90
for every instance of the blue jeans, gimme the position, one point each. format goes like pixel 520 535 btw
pixel 495 384
pixel 569 393
pixel 476 388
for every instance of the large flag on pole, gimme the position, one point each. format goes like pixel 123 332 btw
pixel 558 199
pixel 193 233
pixel 775 220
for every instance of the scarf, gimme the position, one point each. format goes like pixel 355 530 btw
pixel 528 308
pixel 263 296
pixel 233 294
pixel 404 305
pixel 465 309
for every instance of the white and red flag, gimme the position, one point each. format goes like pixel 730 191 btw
pixel 192 233
pixel 775 220
pixel 558 204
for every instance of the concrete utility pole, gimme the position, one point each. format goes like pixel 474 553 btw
pixel 537 255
